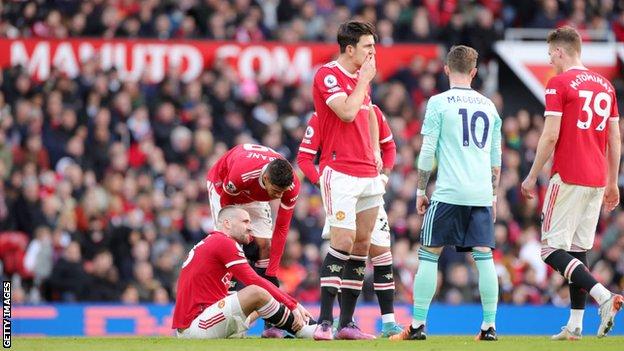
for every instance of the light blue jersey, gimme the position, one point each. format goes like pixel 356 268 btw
pixel 464 129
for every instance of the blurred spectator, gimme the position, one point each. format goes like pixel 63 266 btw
pixel 69 282
pixel 104 279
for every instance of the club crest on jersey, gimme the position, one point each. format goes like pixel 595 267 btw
pixel 221 304
pixel 309 132
pixel 340 215
pixel 330 81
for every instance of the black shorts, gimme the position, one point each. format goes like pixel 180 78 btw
pixel 464 227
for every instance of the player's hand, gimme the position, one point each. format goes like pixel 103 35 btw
pixel 378 161
pixel 611 197
pixel 305 314
pixel 298 323
pixel 368 69
pixel 528 187
pixel 422 202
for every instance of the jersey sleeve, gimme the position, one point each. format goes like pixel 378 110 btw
pixel 554 98
pixel 431 125
pixel 385 134
pixel 232 182
pixel 311 140
pixel 495 152
pixel 308 149
pixel 230 254
pixel 386 140
pixel 282 226
pixel 431 130
pixel 326 83
pixel 615 113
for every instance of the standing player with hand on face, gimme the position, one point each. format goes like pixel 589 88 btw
pixel 379 250
pixel 462 129
pixel 351 186
pixel 582 127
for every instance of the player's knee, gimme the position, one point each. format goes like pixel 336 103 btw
pixel 260 293
pixel 482 249
pixel 434 250
pixel 546 251
pixel 342 240
pixel 360 248
pixel 375 251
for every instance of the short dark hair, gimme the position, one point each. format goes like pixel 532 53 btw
pixel 350 32
pixel 566 36
pixel 462 59
pixel 280 173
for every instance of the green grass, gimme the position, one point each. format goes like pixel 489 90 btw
pixel 434 343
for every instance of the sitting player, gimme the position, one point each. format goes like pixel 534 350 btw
pixel 204 310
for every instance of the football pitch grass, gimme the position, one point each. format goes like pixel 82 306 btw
pixel 433 343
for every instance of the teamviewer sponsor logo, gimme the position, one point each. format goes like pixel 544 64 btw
pixel 6 314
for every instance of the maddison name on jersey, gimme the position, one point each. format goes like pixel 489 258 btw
pixel 468 99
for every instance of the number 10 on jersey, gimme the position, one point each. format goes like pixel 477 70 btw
pixel 471 129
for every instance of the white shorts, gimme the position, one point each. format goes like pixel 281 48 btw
pixel 259 212
pixel 344 196
pixel 570 215
pixel 223 319
pixel 381 232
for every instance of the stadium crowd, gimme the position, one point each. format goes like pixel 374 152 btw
pixel 103 188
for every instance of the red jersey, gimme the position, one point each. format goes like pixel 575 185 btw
pixel 586 102
pixel 347 144
pixel 237 179
pixel 206 274
pixel 312 144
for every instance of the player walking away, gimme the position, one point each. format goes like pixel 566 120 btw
pixel 461 129
pixel 379 250
pixel 351 187
pixel 203 308
pixel 582 128
pixel 251 175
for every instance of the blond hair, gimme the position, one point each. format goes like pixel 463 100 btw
pixel 568 38
pixel 462 59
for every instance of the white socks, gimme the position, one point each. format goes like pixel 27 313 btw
pixel 576 319
pixel 388 318
pixel 600 293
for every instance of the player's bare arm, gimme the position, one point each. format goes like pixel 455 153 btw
pixel 545 148
pixel 347 107
pixel 612 193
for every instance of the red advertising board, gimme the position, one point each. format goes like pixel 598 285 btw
pixel 151 60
